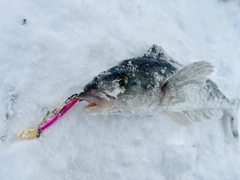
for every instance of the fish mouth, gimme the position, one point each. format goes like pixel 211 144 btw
pixel 95 99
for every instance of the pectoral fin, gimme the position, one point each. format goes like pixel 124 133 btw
pixel 178 117
pixel 192 74
pixel 175 93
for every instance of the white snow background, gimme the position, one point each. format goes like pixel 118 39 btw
pixel 64 44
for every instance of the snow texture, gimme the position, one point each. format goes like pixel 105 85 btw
pixel 51 49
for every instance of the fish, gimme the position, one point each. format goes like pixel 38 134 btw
pixel 156 83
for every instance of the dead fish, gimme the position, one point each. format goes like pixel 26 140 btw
pixel 156 83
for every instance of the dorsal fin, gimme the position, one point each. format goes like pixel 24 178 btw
pixel 157 52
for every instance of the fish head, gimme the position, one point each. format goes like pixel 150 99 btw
pixel 129 85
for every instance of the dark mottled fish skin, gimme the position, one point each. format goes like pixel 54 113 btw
pixel 149 66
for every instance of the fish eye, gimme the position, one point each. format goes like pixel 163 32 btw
pixel 122 80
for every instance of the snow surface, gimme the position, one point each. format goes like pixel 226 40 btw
pixel 64 44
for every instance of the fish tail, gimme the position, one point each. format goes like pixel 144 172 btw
pixel 234 126
pixel 234 119
pixel 230 125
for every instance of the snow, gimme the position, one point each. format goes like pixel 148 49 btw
pixel 64 44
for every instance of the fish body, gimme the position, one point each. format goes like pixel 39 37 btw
pixel 131 85
pixel 156 83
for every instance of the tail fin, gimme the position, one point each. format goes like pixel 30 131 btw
pixel 230 125
pixel 234 120
pixel 234 127
pixel 230 120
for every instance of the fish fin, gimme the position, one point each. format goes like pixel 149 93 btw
pixel 178 117
pixel 234 126
pixel 234 119
pixel 193 74
pixel 190 117
pixel 230 125
pixel 199 115
pixel 175 92
pixel 157 52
